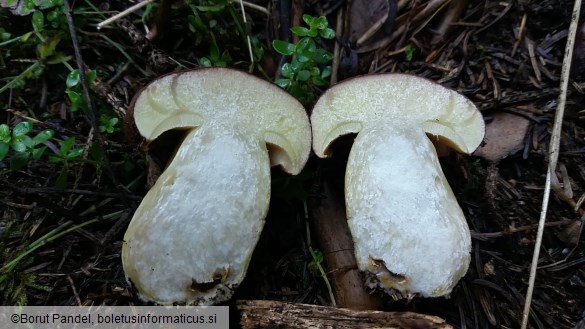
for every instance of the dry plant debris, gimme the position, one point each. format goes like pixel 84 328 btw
pixel 61 244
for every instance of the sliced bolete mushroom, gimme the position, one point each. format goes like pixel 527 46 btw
pixel 192 237
pixel 409 232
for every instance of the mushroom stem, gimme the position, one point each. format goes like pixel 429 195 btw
pixel 202 183
pixel 413 213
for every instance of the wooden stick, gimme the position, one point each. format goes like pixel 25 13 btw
pixel 330 223
pixel 275 314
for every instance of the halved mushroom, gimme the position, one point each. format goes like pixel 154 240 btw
pixel 409 232
pixel 192 237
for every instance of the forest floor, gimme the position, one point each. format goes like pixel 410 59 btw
pixel 71 174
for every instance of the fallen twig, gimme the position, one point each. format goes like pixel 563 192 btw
pixel 554 155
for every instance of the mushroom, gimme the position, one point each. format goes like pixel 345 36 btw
pixel 410 235
pixel 191 239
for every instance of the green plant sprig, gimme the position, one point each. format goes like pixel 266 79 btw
pixel 24 146
pixel 310 66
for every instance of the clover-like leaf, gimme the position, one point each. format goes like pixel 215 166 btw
pixel 319 82
pixel 327 33
pixel 283 47
pixel 22 128
pixel 72 79
pixel 286 70
pixel 43 136
pixel 66 145
pixel 322 56
pixel 4 133
pixel 308 19
pixel 205 62
pixel 38 152
pixel 283 83
pixel 300 31
pixel 20 144
pixel 326 72
pixel 75 153
pixel 38 20
pixel 304 75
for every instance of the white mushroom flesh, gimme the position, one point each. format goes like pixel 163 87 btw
pixel 411 221
pixel 200 260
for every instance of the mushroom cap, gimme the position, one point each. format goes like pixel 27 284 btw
pixel 228 99
pixel 400 100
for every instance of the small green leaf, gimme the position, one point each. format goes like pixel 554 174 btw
pixel 72 79
pixel 322 56
pixel 38 152
pixel 315 263
pixel 286 70
pixel 320 23
pixel 66 145
pixel 326 72
pixel 295 65
pixel 3 150
pixel 409 52
pixel 75 153
pixel 319 82
pixel 282 82
pixel 196 24
pixel 4 133
pixel 302 58
pixel 257 48
pixel 91 76
pixel 308 19
pixel 214 52
pixel 47 48
pixel 283 47
pixel 205 62
pixel 304 75
pixel 26 36
pixel 300 31
pixel 215 8
pixel 22 129
pixel 315 71
pixel 4 35
pixel 305 45
pixel 21 143
pixel 55 158
pixel 38 20
pixel 75 98
pixel 43 136
pixel 327 33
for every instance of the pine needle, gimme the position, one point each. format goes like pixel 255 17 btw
pixel 554 155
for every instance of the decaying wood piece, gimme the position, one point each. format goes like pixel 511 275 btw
pixel 330 222
pixel 276 314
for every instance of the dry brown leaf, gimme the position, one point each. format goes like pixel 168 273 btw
pixel 504 136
